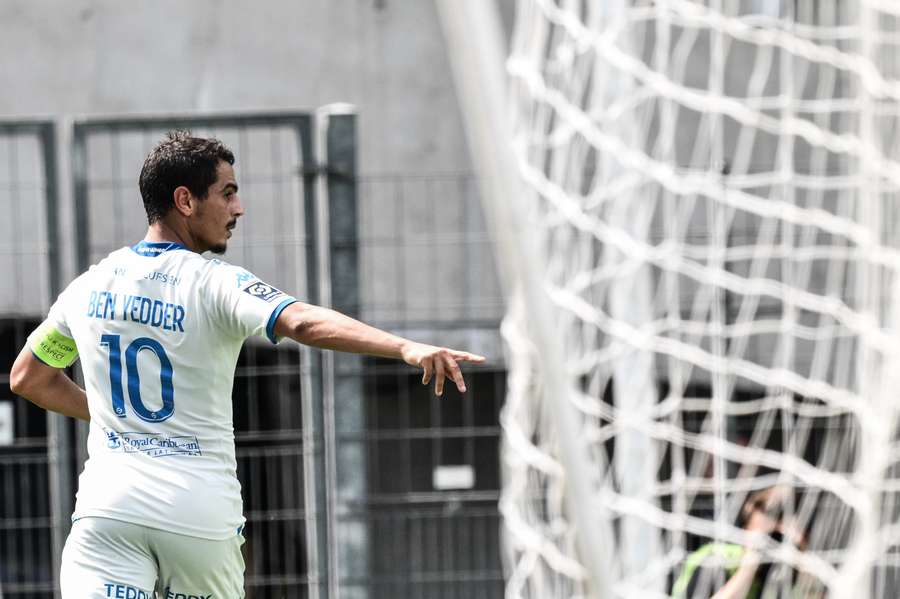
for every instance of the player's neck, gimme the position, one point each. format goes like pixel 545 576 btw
pixel 160 231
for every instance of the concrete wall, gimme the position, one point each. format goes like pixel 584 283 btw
pixel 88 57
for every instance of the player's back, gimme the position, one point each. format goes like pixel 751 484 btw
pixel 159 329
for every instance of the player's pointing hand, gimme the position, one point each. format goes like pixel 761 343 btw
pixel 439 363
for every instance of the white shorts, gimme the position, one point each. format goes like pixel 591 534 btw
pixel 109 559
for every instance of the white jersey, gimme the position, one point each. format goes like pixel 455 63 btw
pixel 158 329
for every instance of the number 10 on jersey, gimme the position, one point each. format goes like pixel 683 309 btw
pixel 114 345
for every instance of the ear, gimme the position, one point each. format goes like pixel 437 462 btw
pixel 184 200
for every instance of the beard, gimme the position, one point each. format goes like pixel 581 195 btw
pixel 218 248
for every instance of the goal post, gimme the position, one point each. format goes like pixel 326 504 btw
pixel 696 208
pixel 474 35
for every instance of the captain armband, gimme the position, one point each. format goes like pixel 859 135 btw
pixel 52 347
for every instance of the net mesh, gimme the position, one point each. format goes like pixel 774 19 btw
pixel 713 188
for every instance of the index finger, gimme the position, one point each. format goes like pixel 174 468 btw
pixel 467 357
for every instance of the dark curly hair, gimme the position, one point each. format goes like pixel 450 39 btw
pixel 179 159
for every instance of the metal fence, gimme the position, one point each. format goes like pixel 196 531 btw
pixel 426 257
pixel 28 261
pixel 431 464
pixel 433 472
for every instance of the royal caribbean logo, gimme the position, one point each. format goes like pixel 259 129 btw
pixel 154 445
pixel 262 291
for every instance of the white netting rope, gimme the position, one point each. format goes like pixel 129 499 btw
pixel 715 191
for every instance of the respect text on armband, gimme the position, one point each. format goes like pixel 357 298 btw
pixel 152 312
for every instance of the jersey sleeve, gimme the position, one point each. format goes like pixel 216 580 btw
pixel 242 303
pixel 52 341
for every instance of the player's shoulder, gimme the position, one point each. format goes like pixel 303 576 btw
pixel 185 260
pixel 229 279
pixel 109 265
pixel 221 279
pixel 129 265
pixel 114 258
pixel 220 270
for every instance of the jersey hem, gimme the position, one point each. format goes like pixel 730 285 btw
pixel 227 533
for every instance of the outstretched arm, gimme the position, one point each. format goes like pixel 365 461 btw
pixel 327 329
pixel 47 387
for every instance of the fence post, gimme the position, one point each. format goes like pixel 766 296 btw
pixel 60 462
pixel 343 406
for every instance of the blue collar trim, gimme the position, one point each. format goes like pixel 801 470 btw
pixel 155 248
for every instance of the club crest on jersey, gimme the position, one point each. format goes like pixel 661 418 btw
pixel 263 291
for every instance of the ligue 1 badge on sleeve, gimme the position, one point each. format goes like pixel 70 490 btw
pixel 263 291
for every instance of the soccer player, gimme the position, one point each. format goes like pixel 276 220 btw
pixel 158 329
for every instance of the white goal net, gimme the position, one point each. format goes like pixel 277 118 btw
pixel 711 187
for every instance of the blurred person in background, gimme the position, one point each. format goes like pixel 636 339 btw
pixel 732 571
